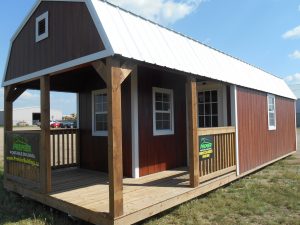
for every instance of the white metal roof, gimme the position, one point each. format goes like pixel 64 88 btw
pixel 134 37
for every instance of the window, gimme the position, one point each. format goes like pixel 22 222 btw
pixel 41 27
pixel 163 121
pixel 99 109
pixel 208 108
pixel 271 112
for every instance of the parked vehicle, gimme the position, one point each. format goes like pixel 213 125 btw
pixel 22 124
pixel 55 124
pixel 69 124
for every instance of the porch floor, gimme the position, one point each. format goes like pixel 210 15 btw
pixel 89 189
pixel 84 193
pixel 143 197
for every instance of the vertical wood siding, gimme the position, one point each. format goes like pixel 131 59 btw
pixel 258 145
pixel 94 148
pixel 158 153
pixel 72 34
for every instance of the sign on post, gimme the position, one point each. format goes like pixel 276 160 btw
pixel 206 147
pixel 23 147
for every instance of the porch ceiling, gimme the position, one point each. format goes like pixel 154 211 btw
pixel 77 80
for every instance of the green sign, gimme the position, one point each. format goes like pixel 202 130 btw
pixel 206 147
pixel 23 148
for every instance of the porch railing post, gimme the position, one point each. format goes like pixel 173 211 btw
pixel 8 124
pixel 115 164
pixel 191 93
pixel 45 158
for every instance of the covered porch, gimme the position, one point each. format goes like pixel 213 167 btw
pixel 58 180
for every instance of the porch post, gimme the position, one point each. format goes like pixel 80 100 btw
pixel 8 123
pixel 191 93
pixel 45 159
pixel 115 163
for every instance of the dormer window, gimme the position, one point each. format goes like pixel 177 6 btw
pixel 41 27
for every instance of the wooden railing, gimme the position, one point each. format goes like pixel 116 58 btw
pixel 224 152
pixel 64 148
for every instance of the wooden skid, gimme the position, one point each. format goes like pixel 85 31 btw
pixel 84 193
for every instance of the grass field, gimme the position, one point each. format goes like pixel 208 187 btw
pixel 270 196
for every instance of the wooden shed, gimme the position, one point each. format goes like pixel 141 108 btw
pixel 162 117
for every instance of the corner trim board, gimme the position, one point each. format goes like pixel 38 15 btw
pixel 235 120
pixel 135 124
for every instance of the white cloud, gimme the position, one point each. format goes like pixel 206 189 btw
pixel 293 33
pixel 292 78
pixel 295 54
pixel 161 11
pixel 27 95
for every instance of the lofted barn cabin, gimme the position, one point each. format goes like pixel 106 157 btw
pixel 162 118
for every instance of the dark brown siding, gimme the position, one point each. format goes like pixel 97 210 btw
pixel 258 145
pixel 158 153
pixel 94 148
pixel 72 34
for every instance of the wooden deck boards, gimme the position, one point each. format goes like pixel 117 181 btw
pixel 89 189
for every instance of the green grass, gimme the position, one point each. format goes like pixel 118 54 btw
pixel 270 196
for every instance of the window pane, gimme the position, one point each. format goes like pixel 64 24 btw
pixel 166 106
pixel 101 122
pixel 207 109
pixel 104 107
pixel 271 119
pixel 215 108
pixel 201 121
pixel 159 125
pixel 42 27
pixel 207 96
pixel 166 97
pixel 97 99
pixel 97 107
pixel 214 121
pixel 166 125
pixel 158 97
pixel 105 126
pixel 158 106
pixel 104 98
pixel 214 96
pixel 271 100
pixel 207 121
pixel 159 116
pixel 200 97
pixel 166 116
pixel 201 109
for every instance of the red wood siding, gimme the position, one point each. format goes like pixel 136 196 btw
pixel 72 34
pixel 158 153
pixel 258 145
pixel 93 149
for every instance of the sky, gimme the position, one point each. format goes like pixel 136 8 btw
pixel 264 33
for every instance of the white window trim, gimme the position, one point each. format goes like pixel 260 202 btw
pixel 271 127
pixel 222 100
pixel 94 132
pixel 163 132
pixel 37 20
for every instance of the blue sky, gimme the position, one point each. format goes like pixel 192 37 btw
pixel 265 33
